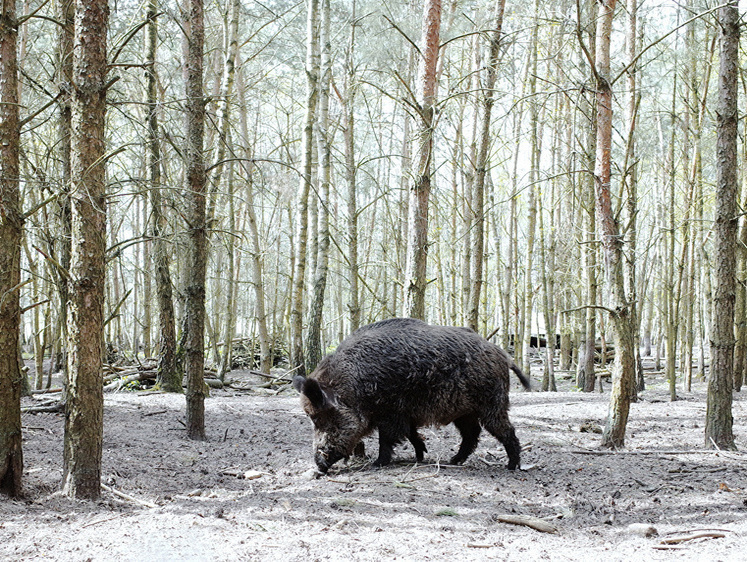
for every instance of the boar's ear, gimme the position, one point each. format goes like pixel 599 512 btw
pixel 298 382
pixel 321 398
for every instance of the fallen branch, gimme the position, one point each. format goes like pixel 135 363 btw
pixel 692 536
pixel 44 409
pixel 46 391
pixel 127 496
pixel 534 522
pixel 124 381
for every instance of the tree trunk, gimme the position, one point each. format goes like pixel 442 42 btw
pixel 417 241
pixel 299 274
pixel 314 340
pixel 84 409
pixel 488 98
pixel 11 228
pixel 624 369
pixel 630 179
pixel 224 107
pixel 354 305
pixel 194 337
pixel 168 378
pixel 718 429
pixel 63 242
pixel 256 252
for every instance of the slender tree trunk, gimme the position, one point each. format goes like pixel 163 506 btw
pixel 354 305
pixel 84 409
pixel 585 375
pixel 168 378
pixel 229 329
pixel 256 251
pixel 488 98
pixel 718 429
pixel 194 324
pixel 299 275
pixel 63 242
pixel 531 229
pixel 11 228
pixel 624 371
pixel 314 340
pixel 224 106
pixel 630 179
pixel 417 241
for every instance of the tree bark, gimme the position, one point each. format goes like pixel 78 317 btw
pixel 84 421
pixel 488 98
pixel 299 274
pixel 417 241
pixel 11 228
pixel 63 206
pixel 354 304
pixel 194 339
pixel 624 369
pixel 718 428
pixel 316 307
pixel 168 378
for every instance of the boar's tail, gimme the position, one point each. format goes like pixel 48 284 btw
pixel 515 368
pixel 524 380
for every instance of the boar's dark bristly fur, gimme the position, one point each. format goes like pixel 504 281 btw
pixel 397 375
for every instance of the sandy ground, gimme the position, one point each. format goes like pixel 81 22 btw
pixel 247 493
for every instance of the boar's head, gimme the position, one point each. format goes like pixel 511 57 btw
pixel 337 428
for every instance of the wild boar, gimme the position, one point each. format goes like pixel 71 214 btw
pixel 397 375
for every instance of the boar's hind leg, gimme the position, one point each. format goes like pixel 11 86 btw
pixel 501 428
pixel 469 428
pixel 417 442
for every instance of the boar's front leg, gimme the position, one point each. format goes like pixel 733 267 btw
pixel 391 433
pixel 417 442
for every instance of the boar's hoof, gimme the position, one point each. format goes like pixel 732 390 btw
pixel 512 465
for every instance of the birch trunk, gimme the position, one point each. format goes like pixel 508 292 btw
pixel 316 307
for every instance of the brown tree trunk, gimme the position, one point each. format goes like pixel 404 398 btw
pixel 194 338
pixel 65 79
pixel 168 377
pixel 718 429
pixel 84 409
pixel 417 242
pixel 354 305
pixel 11 227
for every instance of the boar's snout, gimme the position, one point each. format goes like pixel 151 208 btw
pixel 325 459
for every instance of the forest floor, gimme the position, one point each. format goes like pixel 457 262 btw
pixel 247 493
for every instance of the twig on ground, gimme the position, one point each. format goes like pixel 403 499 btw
pixel 533 522
pixel 127 496
pixel 692 536
pixel 145 415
